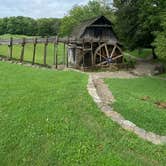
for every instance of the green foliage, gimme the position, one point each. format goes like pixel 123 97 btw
pixel 136 20
pixel 130 62
pixel 29 26
pixel 81 13
pixel 48 118
pixel 160 41
pixel 129 94
pixel 47 26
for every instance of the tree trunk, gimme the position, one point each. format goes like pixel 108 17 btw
pixel 153 53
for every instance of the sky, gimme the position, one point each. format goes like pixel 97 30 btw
pixel 37 8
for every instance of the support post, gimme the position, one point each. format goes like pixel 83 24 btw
pixel 67 53
pixel 10 46
pixel 34 50
pixel 55 51
pixel 22 50
pixel 83 60
pixel 64 51
pixel 45 51
pixel 92 58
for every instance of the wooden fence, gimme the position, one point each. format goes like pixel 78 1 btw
pixel 45 41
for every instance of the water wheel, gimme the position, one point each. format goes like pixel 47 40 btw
pixel 106 54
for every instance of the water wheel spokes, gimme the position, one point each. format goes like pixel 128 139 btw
pixel 107 53
pixel 117 57
pixel 113 51
pixel 102 63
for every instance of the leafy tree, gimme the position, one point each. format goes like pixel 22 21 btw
pixel 137 20
pixel 160 41
pixel 48 26
pixel 3 25
pixel 29 26
pixel 81 13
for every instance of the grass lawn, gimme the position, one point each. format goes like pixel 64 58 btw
pixel 48 118
pixel 136 98
pixel 163 75
pixel 29 51
pixel 143 53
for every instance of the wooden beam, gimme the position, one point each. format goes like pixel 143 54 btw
pixel 119 56
pixel 67 54
pixel 112 53
pixel 56 55
pixel 64 53
pixel 101 26
pixel 106 49
pixel 34 51
pixel 10 46
pixel 22 50
pixel 45 51
pixel 55 51
pixel 92 57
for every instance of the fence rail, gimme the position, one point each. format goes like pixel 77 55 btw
pixel 45 41
pixel 34 41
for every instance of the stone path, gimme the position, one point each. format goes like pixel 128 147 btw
pixel 103 97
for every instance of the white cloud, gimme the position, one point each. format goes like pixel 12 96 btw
pixel 37 8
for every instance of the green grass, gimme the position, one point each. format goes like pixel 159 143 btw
pixel 29 51
pixel 48 118
pixel 162 75
pixel 143 53
pixel 145 113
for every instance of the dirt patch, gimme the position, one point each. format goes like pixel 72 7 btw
pixel 161 105
pixel 145 98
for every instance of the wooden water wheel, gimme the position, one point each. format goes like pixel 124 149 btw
pixel 106 54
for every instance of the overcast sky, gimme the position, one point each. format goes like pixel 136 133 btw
pixel 37 8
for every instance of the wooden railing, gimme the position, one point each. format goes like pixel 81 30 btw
pixel 34 41
pixel 45 41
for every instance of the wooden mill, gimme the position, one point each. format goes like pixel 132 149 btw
pixel 94 44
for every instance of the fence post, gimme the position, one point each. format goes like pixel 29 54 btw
pixel 45 51
pixel 22 50
pixel 64 52
pixel 67 53
pixel 10 46
pixel 34 50
pixel 56 52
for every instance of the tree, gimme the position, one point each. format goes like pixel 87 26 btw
pixel 81 13
pixel 160 41
pixel 137 20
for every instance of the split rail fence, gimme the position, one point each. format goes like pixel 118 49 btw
pixel 34 41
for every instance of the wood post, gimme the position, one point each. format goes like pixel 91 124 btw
pixel 22 50
pixel 67 53
pixel 92 58
pixel 45 51
pixel 100 51
pixel 64 52
pixel 83 60
pixel 10 46
pixel 34 50
pixel 56 52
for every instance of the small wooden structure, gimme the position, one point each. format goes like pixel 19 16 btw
pixel 96 44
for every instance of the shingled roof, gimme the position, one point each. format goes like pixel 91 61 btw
pixel 79 30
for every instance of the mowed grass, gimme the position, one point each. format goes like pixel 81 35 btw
pixel 143 53
pixel 29 51
pixel 136 98
pixel 163 75
pixel 48 118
